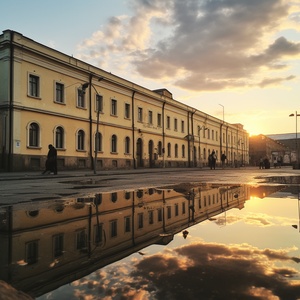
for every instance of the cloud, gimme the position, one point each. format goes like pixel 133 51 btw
pixel 198 270
pixel 200 45
pixel 275 81
pixel 210 270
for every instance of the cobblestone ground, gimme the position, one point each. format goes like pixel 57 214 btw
pixel 32 186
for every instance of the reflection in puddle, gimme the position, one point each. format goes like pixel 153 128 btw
pixel 156 244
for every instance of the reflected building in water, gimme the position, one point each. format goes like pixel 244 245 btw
pixel 47 244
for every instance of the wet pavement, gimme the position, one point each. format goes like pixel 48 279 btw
pixel 152 234
pixel 33 186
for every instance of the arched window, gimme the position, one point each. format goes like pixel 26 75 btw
pixel 59 137
pixel 169 149
pixel 176 150
pixel 80 140
pixel 114 143
pixel 98 142
pixel 114 197
pixel 127 145
pixel 34 133
pixel 159 148
pixel 183 151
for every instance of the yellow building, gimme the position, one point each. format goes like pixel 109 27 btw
pixel 96 119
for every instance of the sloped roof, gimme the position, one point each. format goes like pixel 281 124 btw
pixel 283 136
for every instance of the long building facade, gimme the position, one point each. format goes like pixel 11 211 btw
pixel 98 120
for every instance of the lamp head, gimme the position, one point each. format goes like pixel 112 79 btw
pixel 85 85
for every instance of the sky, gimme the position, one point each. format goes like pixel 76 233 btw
pixel 237 58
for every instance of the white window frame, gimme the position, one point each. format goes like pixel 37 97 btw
pixel 38 88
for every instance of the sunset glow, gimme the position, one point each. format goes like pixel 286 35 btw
pixel 204 52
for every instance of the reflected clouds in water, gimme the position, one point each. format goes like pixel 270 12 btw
pixel 195 271
pixel 220 272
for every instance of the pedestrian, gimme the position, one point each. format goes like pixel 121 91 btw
pixel 261 163
pixel 213 160
pixel 279 161
pixel 275 162
pixel 267 163
pixel 223 158
pixel 51 162
pixel 210 161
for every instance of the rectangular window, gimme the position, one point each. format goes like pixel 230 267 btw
pixel 150 117
pixel 127 224
pixel 32 249
pixel 59 92
pixel 34 86
pixel 80 98
pixel 159 120
pixel 58 245
pixel 140 220
pixel 213 135
pixel 98 234
pixel 113 228
pixel 150 215
pixel 80 240
pixel 99 103
pixel 182 126
pixel 159 214
pixel 113 107
pixel 183 208
pixel 169 212
pixel 140 114
pixel 127 110
pixel 168 123
pixel 175 125
pixel 176 209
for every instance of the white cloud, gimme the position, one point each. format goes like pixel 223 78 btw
pixel 200 45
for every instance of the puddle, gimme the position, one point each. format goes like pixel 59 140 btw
pixel 206 241
pixel 282 179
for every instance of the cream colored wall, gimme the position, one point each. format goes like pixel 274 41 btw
pixel 52 66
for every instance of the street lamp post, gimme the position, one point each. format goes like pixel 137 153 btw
pixel 199 129
pixel 297 154
pixel 223 111
pixel 97 137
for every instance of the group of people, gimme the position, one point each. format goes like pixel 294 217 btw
pixel 264 163
pixel 51 162
pixel 212 158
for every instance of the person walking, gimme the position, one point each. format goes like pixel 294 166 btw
pixel 51 162
pixel 213 160
pixel 223 158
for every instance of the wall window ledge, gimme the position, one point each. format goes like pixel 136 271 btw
pixel 34 97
